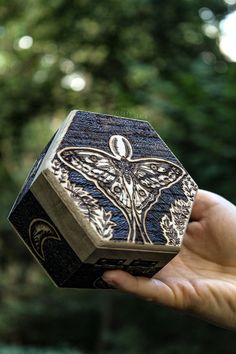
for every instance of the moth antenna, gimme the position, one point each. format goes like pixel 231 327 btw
pixel 120 146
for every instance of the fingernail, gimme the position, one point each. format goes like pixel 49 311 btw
pixel 110 282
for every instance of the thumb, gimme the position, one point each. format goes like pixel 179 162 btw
pixel 151 289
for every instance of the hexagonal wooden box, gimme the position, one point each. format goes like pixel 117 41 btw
pixel 106 193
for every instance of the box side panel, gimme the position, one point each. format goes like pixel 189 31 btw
pixel 55 143
pixel 44 158
pixel 43 239
pixel 129 258
pixel 32 174
pixel 64 213
pixel 87 277
pixel 90 275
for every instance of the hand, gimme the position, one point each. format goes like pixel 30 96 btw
pixel 201 279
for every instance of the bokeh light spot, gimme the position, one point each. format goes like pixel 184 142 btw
pixel 75 82
pixel 206 14
pixel 67 66
pixel 25 42
pixel 210 31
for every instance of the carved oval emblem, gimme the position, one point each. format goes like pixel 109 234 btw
pixel 39 232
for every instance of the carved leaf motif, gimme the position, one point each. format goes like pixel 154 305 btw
pixel 103 223
pixel 180 213
pixel 170 231
pixel 165 222
pixel 189 188
pixel 60 172
pixel 173 226
pixel 97 216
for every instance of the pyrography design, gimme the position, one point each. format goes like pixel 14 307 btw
pixel 88 206
pixel 173 226
pixel 132 185
pixel 39 232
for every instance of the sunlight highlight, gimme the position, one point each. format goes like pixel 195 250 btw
pixel 228 36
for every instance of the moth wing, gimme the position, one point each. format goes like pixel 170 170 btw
pixel 100 168
pixel 92 164
pixel 119 194
pixel 152 176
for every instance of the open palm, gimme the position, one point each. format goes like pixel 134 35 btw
pixel 201 279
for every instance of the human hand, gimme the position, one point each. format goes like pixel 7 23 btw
pixel 201 279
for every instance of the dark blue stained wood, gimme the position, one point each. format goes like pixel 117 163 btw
pixel 33 172
pixel 60 260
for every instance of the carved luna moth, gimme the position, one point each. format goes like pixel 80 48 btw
pixel 133 185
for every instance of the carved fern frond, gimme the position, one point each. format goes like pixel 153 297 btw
pixel 60 172
pixel 173 226
pixel 189 188
pixel 94 213
pixel 169 231
pixel 179 213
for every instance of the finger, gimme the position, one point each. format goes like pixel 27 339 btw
pixel 203 201
pixel 198 206
pixel 194 229
pixel 151 289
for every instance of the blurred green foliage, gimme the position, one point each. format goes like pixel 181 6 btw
pixel 30 350
pixel 142 59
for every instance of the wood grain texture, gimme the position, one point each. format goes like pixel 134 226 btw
pixel 112 194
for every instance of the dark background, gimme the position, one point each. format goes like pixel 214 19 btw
pixel 154 60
